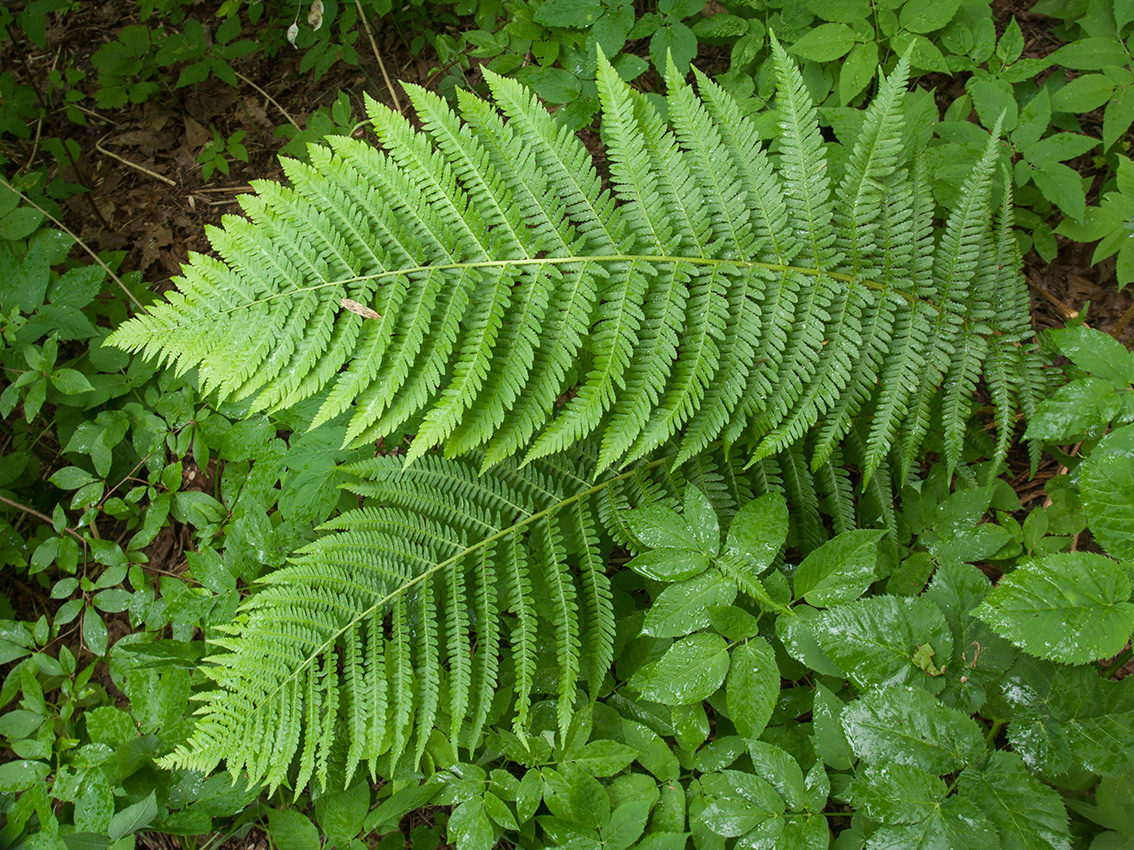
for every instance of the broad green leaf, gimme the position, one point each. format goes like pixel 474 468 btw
pixel 291 830
pixel 20 774
pixel 752 687
pixel 71 381
pixel 470 828
pixel 1034 119
pixel 669 814
pixel 879 639
pixel 604 757
pixel 498 810
pixel 842 11
pixel 1027 814
pixel 927 15
pixel 735 624
pixel 656 754
pixel 1096 352
pixel 1118 117
pixel 134 817
pixel 811 832
pixel 896 793
pixel 71 478
pixel 659 527
pixel 1107 482
pixel 20 723
pixel 738 802
pixel 1058 148
pixel 759 530
pixel 94 631
pixel 627 822
pixel 1113 796
pixel 701 520
pixel 904 725
pixel 1064 714
pixel 685 607
pixel 781 771
pixel 827 735
pixel 670 564
pixel 673 39
pixel 993 98
pixel 824 43
pixel 917 815
pixel 840 570
pixel 1091 54
pixel 818 786
pixel 341 816
pixel 797 632
pixel 858 69
pixel 1083 94
pixel 1073 408
pixel 979 656
pixel 568 13
pixel 691 670
pixel 578 797
pixel 1063 187
pixel 1069 607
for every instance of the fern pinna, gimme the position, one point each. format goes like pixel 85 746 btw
pixel 417 612
pixel 738 306
pixel 459 281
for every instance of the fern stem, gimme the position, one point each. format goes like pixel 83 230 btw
pixel 645 259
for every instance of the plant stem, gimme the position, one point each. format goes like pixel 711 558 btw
pixel 1122 322
pixel 62 142
pixel 77 239
pixel 378 56
pixel 1118 663
pixel 40 516
pixel 270 99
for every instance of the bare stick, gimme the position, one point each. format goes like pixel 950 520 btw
pixel 134 165
pixel 270 99
pixel 44 517
pixel 378 56
pixel 78 240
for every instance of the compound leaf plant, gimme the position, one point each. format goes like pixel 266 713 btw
pixel 708 359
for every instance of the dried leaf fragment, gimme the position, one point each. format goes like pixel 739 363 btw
pixel 315 16
pixel 359 309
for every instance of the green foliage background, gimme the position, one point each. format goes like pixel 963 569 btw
pixel 775 676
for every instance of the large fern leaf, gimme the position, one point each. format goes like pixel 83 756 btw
pixel 476 283
pixel 448 589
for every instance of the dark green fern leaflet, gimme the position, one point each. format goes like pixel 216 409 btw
pixel 449 589
pixel 369 626
pixel 463 278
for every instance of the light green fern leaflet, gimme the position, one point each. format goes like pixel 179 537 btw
pixel 450 597
pixel 460 280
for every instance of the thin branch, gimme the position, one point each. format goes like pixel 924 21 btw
pixel 77 239
pixel 1122 322
pixel 270 99
pixel 43 517
pixel 378 56
pixel 134 165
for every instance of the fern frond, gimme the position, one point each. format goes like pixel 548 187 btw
pixel 512 542
pixel 515 306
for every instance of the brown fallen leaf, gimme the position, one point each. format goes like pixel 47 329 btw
pixel 359 309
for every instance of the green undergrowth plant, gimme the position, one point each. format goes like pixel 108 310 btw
pixel 105 465
pixel 705 327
